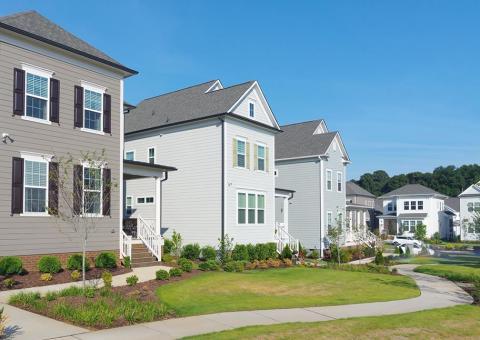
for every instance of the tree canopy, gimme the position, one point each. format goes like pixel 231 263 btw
pixel 448 180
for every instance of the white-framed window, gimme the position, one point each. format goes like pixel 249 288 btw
pixel 92 190
pixel 92 108
pixel 390 206
pixel 151 155
pixel 35 186
pixel 339 181
pixel 130 155
pixel 260 157
pixel 128 205
pixel 420 205
pixel 145 200
pixel 329 180
pixel 37 95
pixel 471 206
pixel 406 205
pixel 329 219
pixel 251 109
pixel 241 153
pixel 140 200
pixel 250 208
pixel 413 205
pixel 410 225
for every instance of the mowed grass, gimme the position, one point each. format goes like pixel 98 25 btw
pixel 451 272
pixel 445 258
pixel 281 288
pixel 460 322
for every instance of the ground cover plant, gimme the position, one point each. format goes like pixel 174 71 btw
pixel 451 272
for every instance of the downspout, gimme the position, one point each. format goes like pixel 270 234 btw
pixel 322 217
pixel 161 199
pixel 222 235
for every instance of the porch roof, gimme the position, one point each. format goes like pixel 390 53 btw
pixel 413 215
pixel 137 169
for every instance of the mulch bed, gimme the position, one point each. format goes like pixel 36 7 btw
pixel 32 279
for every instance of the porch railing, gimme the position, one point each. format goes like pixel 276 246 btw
pixel 149 237
pixel 283 238
pixel 126 248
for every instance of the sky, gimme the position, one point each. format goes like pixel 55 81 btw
pixel 400 80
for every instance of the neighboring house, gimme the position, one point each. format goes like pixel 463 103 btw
pixel 58 95
pixel 221 140
pixel 452 208
pixel 413 204
pixel 312 161
pixel 469 210
pixel 360 206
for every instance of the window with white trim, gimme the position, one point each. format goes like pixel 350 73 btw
pixel 140 200
pixel 260 209
pixel 329 180
pixel 145 200
pixel 260 157
pixel 410 225
pixel 390 206
pixel 149 200
pixel 35 186
pixel 329 219
pixel 420 205
pixel 241 153
pixel 37 90
pixel 251 109
pixel 128 205
pixel 413 205
pixel 250 208
pixel 339 181
pixel 406 205
pixel 92 190
pixel 130 155
pixel 93 109
pixel 151 155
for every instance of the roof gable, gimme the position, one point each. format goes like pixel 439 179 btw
pixel 353 189
pixel 473 189
pixel 413 189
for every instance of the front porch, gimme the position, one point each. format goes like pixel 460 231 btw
pixel 282 236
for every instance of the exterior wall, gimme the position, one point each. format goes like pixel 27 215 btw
pixel 363 200
pixel 249 180
pixel 22 235
pixel 243 109
pixel 192 194
pixel 467 217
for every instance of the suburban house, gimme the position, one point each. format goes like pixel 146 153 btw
pixel 413 204
pixel 360 206
pixel 222 141
pixel 452 208
pixel 470 212
pixel 59 96
pixel 312 162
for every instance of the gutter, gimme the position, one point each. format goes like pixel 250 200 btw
pixel 222 232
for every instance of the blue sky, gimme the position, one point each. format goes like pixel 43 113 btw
pixel 399 79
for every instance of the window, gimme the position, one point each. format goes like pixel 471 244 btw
pixel 339 181
pixel 241 147
pixel 140 200
pixel 92 190
pixel 329 219
pixel 129 205
pixel 130 155
pixel 151 155
pixel 260 157
pixel 261 209
pixel 420 205
pixel 390 206
pixel 410 225
pixel 241 204
pixel 93 104
pixel 37 88
pixel 145 200
pixel 329 180
pixel 35 186
pixel 250 208
pixel 252 109
pixel 413 205
pixel 406 205
pixel 149 200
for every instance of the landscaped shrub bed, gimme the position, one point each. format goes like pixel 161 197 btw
pixel 451 272
pixel 369 268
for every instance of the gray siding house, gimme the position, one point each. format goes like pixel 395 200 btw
pixel 312 162
pixel 58 96
pixel 360 207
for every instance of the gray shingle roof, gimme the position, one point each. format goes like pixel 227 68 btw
pixel 413 215
pixel 38 27
pixel 453 202
pixel 298 140
pixel 413 189
pixel 183 105
pixel 355 189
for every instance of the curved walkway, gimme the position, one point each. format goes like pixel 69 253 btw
pixel 435 293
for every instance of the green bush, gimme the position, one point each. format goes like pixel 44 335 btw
pixel 176 272
pixel 229 266
pixel 49 264
pixel 167 246
pixel 272 250
pixel 252 252
pixel 191 251
pixel 74 262
pixel 132 280
pixel 379 259
pixel 75 275
pixel 240 253
pixel 10 265
pixel 51 296
pixel 167 258
pixel 107 279
pixel 89 292
pixel 287 252
pixel 204 266
pixel 369 251
pixel 106 260
pixel 344 255
pixel 8 283
pixel 162 275
pixel 208 253
pixel 209 265
pixel 239 266
pixel 262 251
pixel 127 262
pixel 185 265
pixel 313 254
pixel 369 267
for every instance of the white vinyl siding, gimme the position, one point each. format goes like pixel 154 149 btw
pixel 329 219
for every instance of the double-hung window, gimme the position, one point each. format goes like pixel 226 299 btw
pixel 329 180
pixel 252 203
pixel 36 96
pixel 250 208
pixel 339 181
pixel 241 153
pixel 251 107
pixel 413 205
pixel 92 190
pixel 420 205
pixel 129 205
pixel 329 219
pixel 130 155
pixel 35 186
pixel 260 209
pixel 93 104
pixel 151 155
pixel 406 205
pixel 260 157
pixel 242 208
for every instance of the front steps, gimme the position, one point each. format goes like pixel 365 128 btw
pixel 141 256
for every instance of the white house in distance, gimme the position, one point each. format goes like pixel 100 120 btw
pixel 413 204
pixel 469 206
pixel 221 140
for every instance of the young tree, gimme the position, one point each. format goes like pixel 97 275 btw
pixel 421 232
pixel 83 189
pixel 335 235
pixel 176 244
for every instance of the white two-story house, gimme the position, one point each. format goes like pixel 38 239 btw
pixel 469 212
pixel 413 204
pixel 221 140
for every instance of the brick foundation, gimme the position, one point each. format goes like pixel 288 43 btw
pixel 30 262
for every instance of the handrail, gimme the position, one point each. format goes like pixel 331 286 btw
pixel 150 238
pixel 284 238
pixel 126 245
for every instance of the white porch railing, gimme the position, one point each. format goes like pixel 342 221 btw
pixel 149 237
pixel 126 245
pixel 283 238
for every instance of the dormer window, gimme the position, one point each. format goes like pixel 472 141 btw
pixel 252 109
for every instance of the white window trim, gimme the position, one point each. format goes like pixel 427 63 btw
pixel 340 177
pixel 256 193
pixel 327 171
pixel 41 72
pixel 89 166
pixel 419 205
pixel 154 154
pixel 241 139
pixel 140 197
pixel 264 146
pixel 126 206
pixel 35 157
pixel 252 102
pixel 134 154
pixel 95 88
pixel 145 200
pixel 330 214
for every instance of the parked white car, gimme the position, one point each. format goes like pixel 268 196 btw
pixel 402 240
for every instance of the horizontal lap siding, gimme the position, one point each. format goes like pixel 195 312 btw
pixel 39 235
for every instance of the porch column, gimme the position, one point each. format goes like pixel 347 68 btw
pixel 157 205
pixel 359 218
pixel 364 218
pixel 285 213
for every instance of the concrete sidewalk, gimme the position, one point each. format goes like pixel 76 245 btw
pixel 435 293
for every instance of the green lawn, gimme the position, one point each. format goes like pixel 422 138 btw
pixel 459 322
pixel 281 288
pixel 451 272
pixel 447 259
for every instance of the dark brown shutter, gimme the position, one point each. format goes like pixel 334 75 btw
pixel 78 106
pixel 17 185
pixel 18 92
pixel 54 100
pixel 107 113
pixel 107 184
pixel 53 188
pixel 77 189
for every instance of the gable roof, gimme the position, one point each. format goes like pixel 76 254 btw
pixel 413 189
pixel 300 140
pixel 472 190
pixel 353 188
pixel 453 202
pixel 36 26
pixel 188 104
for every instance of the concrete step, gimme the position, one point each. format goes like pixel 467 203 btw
pixel 145 264
pixel 143 259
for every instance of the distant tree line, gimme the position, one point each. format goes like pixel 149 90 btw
pixel 448 180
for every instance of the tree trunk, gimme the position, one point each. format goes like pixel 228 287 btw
pixel 84 251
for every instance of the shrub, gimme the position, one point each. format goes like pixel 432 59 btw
pixel 176 244
pixel 167 246
pixel 225 247
pixel 74 262
pixel 46 277
pixel 49 264
pixel 229 266
pixel 262 251
pixel 369 251
pixel 89 292
pixel 8 283
pixel 127 262
pixel 252 252
pixel 208 253
pixel 287 252
pixel 251 265
pixel 209 265
pixel 287 262
pixel 162 275
pixel 107 279
pixel 167 258
pixel 239 266
pixel 436 238
pixel 379 260
pixel 313 254
pixel 240 253
pixel 75 275
pixel 344 255
pixel 262 264
pixel 394 271
pixel 132 280
pixel 106 260
pixel 273 263
pixel 185 265
pixel 407 252
pixel 272 250
pixel 10 265
pixel 191 251
pixel 176 272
